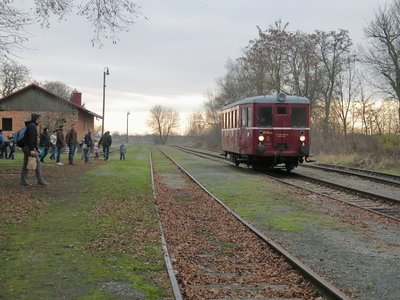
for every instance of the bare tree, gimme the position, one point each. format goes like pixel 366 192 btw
pixel 303 63
pixel 266 60
pixel 59 88
pixel 383 53
pixel 197 124
pixel 13 76
pixel 107 17
pixel 348 91
pixel 12 24
pixel 332 49
pixel 163 120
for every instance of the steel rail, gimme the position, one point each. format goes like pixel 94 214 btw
pixel 372 197
pixel 370 175
pixel 323 286
pixel 174 282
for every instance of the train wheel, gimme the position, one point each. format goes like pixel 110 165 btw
pixel 289 167
pixel 236 160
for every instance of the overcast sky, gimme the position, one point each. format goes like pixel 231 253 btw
pixel 177 54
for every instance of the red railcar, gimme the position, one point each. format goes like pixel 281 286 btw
pixel 265 131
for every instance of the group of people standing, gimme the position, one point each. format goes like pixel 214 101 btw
pixel 6 143
pixel 56 142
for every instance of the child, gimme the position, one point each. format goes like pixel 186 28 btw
pixel 96 150
pixel 11 145
pixel 122 151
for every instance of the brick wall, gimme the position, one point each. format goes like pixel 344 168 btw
pixel 49 119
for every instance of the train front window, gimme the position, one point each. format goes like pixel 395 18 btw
pixel 281 110
pixel 264 116
pixel 299 117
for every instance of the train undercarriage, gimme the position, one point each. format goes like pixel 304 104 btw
pixel 259 163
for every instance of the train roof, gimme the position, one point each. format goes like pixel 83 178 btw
pixel 279 98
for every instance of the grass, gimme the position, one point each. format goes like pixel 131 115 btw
pixel 99 232
pixel 255 198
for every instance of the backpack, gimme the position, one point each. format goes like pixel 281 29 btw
pixel 19 137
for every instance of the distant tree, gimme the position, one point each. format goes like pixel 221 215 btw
pixel 107 17
pixel 383 51
pixel 13 76
pixel 197 124
pixel 59 88
pixel 332 49
pixel 348 91
pixel 163 120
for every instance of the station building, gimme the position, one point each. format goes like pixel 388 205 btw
pixel 17 108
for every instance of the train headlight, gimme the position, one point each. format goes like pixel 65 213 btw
pixel 302 138
pixel 261 138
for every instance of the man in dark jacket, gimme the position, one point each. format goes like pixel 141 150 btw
pixel 71 139
pixel 30 148
pixel 106 142
pixel 60 143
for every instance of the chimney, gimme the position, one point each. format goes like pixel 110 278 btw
pixel 77 98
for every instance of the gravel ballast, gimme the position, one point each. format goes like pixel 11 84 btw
pixel 357 251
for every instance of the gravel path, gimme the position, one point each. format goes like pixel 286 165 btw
pixel 352 181
pixel 357 251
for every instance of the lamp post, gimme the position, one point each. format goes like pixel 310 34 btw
pixel 127 127
pixel 105 72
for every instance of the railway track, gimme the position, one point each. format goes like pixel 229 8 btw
pixel 380 177
pixel 218 255
pixel 385 202
pixel 385 206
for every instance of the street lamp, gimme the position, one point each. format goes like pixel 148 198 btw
pixel 105 72
pixel 127 127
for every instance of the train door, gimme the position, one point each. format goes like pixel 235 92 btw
pixel 281 126
pixel 246 122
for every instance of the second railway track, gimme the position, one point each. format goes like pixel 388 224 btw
pixel 386 202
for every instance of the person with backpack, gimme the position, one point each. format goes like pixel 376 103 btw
pixel 30 149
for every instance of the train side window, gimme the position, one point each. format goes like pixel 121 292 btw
pixel 299 117
pixel 224 117
pixel 264 116
pixel 244 119
pixel 281 110
pixel 235 119
pixel 249 117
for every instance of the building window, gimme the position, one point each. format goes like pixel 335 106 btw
pixel 6 124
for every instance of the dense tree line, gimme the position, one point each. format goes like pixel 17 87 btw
pixel 352 91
